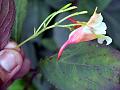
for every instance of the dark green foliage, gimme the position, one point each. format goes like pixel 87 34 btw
pixel 112 18
pixel 21 9
pixel 17 85
pixel 84 67
pixel 49 44
pixel 91 5
pixel 102 4
pixel 20 85
pixel 82 3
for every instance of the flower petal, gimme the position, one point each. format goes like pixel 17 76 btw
pixel 102 39
pixel 87 30
pixel 108 39
pixel 81 34
pixel 62 49
pixel 95 28
pixel 76 35
pixel 95 19
pixel 100 29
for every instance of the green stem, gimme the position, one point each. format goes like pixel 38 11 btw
pixel 51 16
pixel 71 25
pixel 44 22
pixel 28 39
pixel 71 15
pixel 60 11
pixel 43 27
pixel 35 35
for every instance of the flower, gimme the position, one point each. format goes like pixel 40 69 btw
pixel 13 65
pixel 95 28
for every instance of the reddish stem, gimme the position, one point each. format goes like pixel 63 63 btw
pixel 74 22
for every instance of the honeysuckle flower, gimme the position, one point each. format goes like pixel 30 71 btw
pixel 13 65
pixel 95 28
pixel 75 22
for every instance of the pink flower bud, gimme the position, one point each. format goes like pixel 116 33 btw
pixel 12 65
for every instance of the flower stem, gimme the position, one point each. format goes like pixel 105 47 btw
pixel 35 35
pixel 44 26
pixel 28 39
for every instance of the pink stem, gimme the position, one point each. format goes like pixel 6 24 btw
pixel 62 49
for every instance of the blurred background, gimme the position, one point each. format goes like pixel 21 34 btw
pixel 31 13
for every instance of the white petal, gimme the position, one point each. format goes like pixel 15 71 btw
pixel 100 18
pixel 100 40
pixel 101 26
pixel 100 29
pixel 107 38
pixel 95 19
pixel 87 30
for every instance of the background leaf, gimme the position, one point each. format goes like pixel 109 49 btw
pixel 17 85
pixel 91 5
pixel 112 18
pixel 102 4
pixel 21 9
pixel 49 44
pixel 86 66
pixel 58 3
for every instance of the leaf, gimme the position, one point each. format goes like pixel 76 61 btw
pixel 82 4
pixel 84 67
pixel 20 85
pixel 112 19
pixel 7 16
pixel 91 5
pixel 58 3
pixel 21 9
pixel 49 44
pixel 101 5
pixel 17 85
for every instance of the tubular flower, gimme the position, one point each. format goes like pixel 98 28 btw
pixel 95 28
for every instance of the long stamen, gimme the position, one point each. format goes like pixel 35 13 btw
pixel 75 22
pixel 72 20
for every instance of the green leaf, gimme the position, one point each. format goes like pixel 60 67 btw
pixel 91 5
pixel 84 67
pixel 49 44
pixel 102 4
pixel 21 9
pixel 57 3
pixel 20 85
pixel 17 85
pixel 113 22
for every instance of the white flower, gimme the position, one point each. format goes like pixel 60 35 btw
pixel 107 38
pixel 98 27
pixel 94 28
